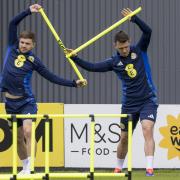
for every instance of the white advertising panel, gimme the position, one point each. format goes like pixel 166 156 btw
pixel 77 137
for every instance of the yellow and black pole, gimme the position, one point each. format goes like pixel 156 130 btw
pixel 92 144
pixel 130 147
pixel 33 142
pixel 59 41
pixel 46 147
pixel 14 134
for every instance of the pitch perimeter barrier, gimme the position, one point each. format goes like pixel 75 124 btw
pixel 47 174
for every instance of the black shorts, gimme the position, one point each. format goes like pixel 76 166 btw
pixel 148 110
pixel 22 105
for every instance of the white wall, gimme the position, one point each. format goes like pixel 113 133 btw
pixel 108 129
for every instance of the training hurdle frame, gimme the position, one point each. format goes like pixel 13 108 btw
pixel 47 175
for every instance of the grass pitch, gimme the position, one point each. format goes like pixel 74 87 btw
pixel 136 175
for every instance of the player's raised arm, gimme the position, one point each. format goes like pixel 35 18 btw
pixel 146 36
pixel 12 34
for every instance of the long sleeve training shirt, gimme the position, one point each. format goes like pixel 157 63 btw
pixel 133 70
pixel 18 67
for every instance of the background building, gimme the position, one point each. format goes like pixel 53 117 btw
pixel 76 21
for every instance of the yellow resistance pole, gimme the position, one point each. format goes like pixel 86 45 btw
pixel 33 142
pixel 30 116
pixel 14 146
pixel 104 32
pixel 92 143
pixel 47 146
pixel 59 41
pixel 7 116
pixel 130 147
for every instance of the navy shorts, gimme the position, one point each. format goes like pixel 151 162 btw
pixel 148 110
pixel 22 105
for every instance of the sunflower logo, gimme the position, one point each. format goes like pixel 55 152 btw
pixel 171 134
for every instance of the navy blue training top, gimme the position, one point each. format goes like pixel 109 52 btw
pixel 133 71
pixel 18 67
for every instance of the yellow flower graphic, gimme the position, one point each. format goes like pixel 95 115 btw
pixel 171 134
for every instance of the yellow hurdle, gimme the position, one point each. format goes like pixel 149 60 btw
pixel 33 142
pixel 104 32
pixel 130 147
pixel 92 144
pixel 14 122
pixel 47 146
pixel 30 116
pixel 46 175
pixel 59 41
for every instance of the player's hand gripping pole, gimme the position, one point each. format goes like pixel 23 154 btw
pixel 60 43
pixel 118 23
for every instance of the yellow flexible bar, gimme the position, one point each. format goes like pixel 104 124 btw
pixel 118 23
pixel 130 145
pixel 110 175
pixel 59 41
pixel 92 146
pixel 32 146
pixel 6 116
pixel 5 176
pixel 47 146
pixel 18 116
pixel 61 175
pixel 38 176
pixel 69 115
pixel 14 147
pixel 110 115
pixel 69 175
pixel 85 175
pixel 29 116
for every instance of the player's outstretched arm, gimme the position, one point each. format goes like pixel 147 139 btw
pixel 102 66
pixel 50 76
